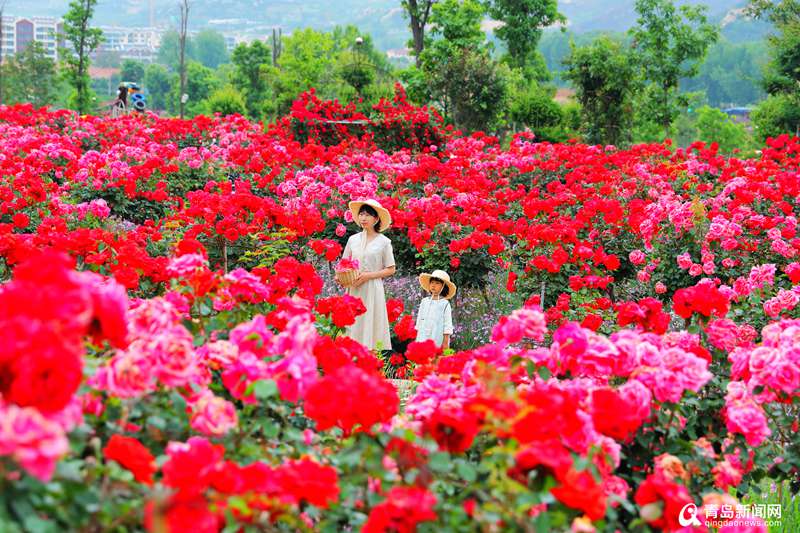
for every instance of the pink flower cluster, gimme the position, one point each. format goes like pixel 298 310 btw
pixel 774 365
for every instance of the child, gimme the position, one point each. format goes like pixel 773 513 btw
pixel 435 316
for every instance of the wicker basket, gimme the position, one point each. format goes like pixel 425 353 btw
pixel 347 277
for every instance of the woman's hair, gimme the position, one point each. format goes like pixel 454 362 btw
pixel 368 209
pixel 445 287
pixel 122 94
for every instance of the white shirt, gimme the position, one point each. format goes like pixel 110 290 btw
pixel 434 320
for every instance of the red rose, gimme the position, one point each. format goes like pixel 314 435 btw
pixel 191 465
pixel 20 220
pixel 362 399
pixel 673 497
pixel 422 352
pixel 342 309
pixel 394 308
pixel 615 415
pixel 405 328
pixel 580 490
pixel 403 509
pixel 133 456
pixel 453 429
pixel 511 283
pixel 309 481
pixel 341 351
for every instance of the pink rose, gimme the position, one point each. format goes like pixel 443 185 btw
pixel 684 261
pixel 212 415
pixel 636 257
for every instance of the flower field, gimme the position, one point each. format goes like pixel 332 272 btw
pixel 627 328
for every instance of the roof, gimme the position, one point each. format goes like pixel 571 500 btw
pixel 102 73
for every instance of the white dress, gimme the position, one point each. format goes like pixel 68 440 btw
pixel 434 320
pixel 372 328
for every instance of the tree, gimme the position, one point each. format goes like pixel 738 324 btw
pixel 715 126
pixel 84 40
pixel 458 73
pixel 184 5
pixel 210 48
pixel 2 9
pixel 306 62
pixel 359 63
pixel 226 101
pixel 474 90
pixel 777 114
pixel 782 75
pixel 132 71
pixel 251 62
pixel 523 23
pixel 731 73
pixel 30 76
pixel 603 76
pixel 418 12
pixel 201 82
pixel 533 107
pixel 158 82
pixel 169 51
pixel 669 43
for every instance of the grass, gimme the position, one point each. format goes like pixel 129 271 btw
pixel 779 493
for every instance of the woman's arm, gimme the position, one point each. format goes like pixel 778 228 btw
pixel 364 277
pixel 380 274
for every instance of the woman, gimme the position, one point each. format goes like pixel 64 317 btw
pixel 373 252
pixel 120 105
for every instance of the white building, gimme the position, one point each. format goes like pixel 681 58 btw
pixel 132 43
pixel 19 32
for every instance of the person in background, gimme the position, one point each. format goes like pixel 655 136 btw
pixel 373 251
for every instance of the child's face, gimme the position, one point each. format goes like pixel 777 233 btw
pixel 365 220
pixel 435 286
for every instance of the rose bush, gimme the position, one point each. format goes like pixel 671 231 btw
pixel 172 352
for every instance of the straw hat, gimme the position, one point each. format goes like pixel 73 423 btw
pixel 383 213
pixel 425 281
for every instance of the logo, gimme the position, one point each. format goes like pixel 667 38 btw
pixel 692 519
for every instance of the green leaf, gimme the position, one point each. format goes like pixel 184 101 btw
pixel 466 471
pixel 440 462
pixel 265 388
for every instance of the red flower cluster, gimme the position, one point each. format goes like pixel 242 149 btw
pixel 617 413
pixel 453 429
pixel 203 481
pixel 405 328
pixel 363 399
pixel 403 509
pixel 394 308
pixel 646 313
pixel 421 353
pixel 703 299
pixel 332 354
pixel 45 313
pixel 133 456
pixel 331 250
pixel 343 309
pixel 669 496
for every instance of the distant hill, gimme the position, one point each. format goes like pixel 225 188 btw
pixel 382 18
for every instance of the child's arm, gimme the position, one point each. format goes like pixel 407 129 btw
pixel 448 326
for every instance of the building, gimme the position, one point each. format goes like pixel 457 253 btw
pixel 20 32
pixel 140 44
